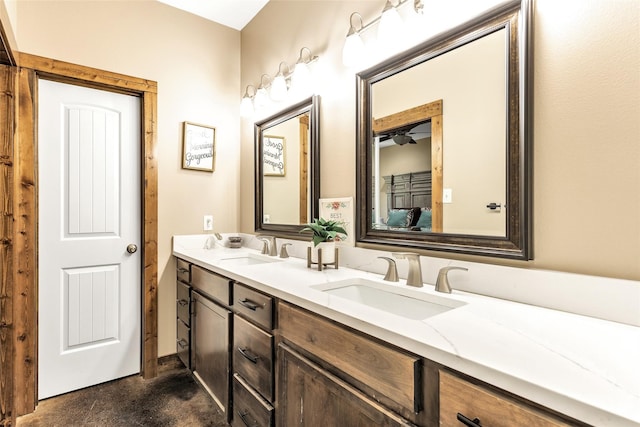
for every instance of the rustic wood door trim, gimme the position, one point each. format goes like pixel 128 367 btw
pixel 26 213
pixel 304 168
pixel 431 111
pixel 7 120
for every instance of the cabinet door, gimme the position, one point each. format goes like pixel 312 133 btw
pixel 211 348
pixel 311 396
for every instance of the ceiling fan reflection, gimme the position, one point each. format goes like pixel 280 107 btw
pixel 405 136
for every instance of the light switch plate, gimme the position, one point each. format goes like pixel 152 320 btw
pixel 447 195
pixel 208 223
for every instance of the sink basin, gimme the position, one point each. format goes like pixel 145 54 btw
pixel 246 259
pixel 404 302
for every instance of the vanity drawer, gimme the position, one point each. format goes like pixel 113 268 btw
pixel 183 271
pixel 253 356
pixel 249 408
pixel 211 284
pixel 183 343
pixel 253 305
pixel 183 302
pixel 458 396
pixel 389 372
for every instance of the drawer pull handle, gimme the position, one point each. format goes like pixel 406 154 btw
pixel 182 343
pixel 183 270
pixel 243 417
pixel 247 355
pixel 183 302
pixel 249 304
pixel 469 422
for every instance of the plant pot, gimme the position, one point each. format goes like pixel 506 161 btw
pixel 328 252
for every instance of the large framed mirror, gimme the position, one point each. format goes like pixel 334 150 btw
pixel 443 141
pixel 288 169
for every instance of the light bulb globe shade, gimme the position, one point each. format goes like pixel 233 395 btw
pixel 246 107
pixel 278 88
pixel 301 78
pixel 261 99
pixel 353 50
pixel 390 29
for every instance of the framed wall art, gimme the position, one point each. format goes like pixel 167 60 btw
pixel 198 147
pixel 340 209
pixel 273 158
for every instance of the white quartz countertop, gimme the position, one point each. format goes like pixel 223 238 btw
pixel 580 366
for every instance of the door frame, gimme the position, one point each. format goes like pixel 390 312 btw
pixel 430 111
pixel 25 271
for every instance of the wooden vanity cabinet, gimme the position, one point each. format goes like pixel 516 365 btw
pixel 271 363
pixel 349 372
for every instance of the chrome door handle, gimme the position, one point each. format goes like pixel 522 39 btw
pixel 132 249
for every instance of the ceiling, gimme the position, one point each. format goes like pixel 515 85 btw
pixel 231 13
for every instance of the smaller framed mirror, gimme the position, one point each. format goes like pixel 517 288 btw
pixel 288 169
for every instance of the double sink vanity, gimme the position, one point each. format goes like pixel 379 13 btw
pixel 277 343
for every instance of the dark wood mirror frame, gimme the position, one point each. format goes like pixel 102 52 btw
pixel 515 17
pixel 312 107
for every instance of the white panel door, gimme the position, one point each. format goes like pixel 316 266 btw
pixel 89 317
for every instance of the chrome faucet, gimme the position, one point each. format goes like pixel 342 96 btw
pixel 392 271
pixel 269 247
pixel 442 282
pixel 414 278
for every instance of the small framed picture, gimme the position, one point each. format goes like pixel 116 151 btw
pixel 340 209
pixel 273 158
pixel 198 147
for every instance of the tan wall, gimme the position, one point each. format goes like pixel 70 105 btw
pixel 197 66
pixel 586 122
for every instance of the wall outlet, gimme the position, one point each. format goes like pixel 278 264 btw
pixel 266 218
pixel 208 223
pixel 447 195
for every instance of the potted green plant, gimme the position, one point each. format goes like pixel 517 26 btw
pixel 325 234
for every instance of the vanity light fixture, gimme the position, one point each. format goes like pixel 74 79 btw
pixel 390 31
pixel 279 84
pixel 353 49
pixel 418 7
pixel 390 28
pixel 262 98
pixel 286 81
pixel 246 105
pixel 301 77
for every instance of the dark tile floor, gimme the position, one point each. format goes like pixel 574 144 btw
pixel 173 398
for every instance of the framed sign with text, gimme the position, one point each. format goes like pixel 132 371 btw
pixel 273 158
pixel 340 209
pixel 198 147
